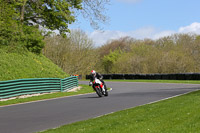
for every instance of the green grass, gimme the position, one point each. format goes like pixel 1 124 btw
pixel 85 89
pixel 177 115
pixel 20 65
pixel 160 81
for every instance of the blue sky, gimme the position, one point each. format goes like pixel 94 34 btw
pixel 145 19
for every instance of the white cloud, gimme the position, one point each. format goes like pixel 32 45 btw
pixel 162 34
pixel 146 32
pixel 101 38
pixel 193 28
pixel 129 1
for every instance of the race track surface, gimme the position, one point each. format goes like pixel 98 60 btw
pixel 38 116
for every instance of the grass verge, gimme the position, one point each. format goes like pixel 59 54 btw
pixel 16 65
pixel 177 115
pixel 84 89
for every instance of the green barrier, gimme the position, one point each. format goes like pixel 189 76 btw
pixel 18 87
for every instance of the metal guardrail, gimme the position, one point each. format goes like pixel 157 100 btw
pixel 69 83
pixel 18 87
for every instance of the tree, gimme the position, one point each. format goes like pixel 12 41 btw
pixel 109 60
pixel 50 14
pixel 57 14
pixel 94 12
pixel 8 26
pixel 122 43
pixel 15 34
pixel 75 54
pixel 34 15
pixel 178 53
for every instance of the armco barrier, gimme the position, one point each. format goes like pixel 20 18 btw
pixel 176 76
pixel 18 87
pixel 69 83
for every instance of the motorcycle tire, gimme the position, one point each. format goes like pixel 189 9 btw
pixel 98 91
pixel 106 91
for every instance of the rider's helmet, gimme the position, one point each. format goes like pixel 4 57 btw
pixel 93 72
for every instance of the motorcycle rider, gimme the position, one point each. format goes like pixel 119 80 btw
pixel 94 75
pixel 97 75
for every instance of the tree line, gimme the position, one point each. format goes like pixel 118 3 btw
pixel 76 54
pixel 179 53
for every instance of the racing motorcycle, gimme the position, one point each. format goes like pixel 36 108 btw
pixel 99 87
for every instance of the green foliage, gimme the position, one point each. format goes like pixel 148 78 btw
pixel 179 53
pixel 75 54
pixel 110 59
pixel 17 34
pixel 32 39
pixel 21 21
pixel 22 36
pixel 9 27
pixel 53 14
pixel 174 54
pixel 19 65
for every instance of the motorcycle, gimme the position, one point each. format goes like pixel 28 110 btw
pixel 99 87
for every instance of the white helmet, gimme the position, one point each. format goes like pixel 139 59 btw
pixel 93 72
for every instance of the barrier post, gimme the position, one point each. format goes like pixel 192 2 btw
pixel 61 85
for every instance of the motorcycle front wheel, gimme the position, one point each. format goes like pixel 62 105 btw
pixel 106 91
pixel 98 91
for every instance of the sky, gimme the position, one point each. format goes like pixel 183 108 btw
pixel 141 19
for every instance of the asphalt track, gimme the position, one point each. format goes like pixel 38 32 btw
pixel 39 116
